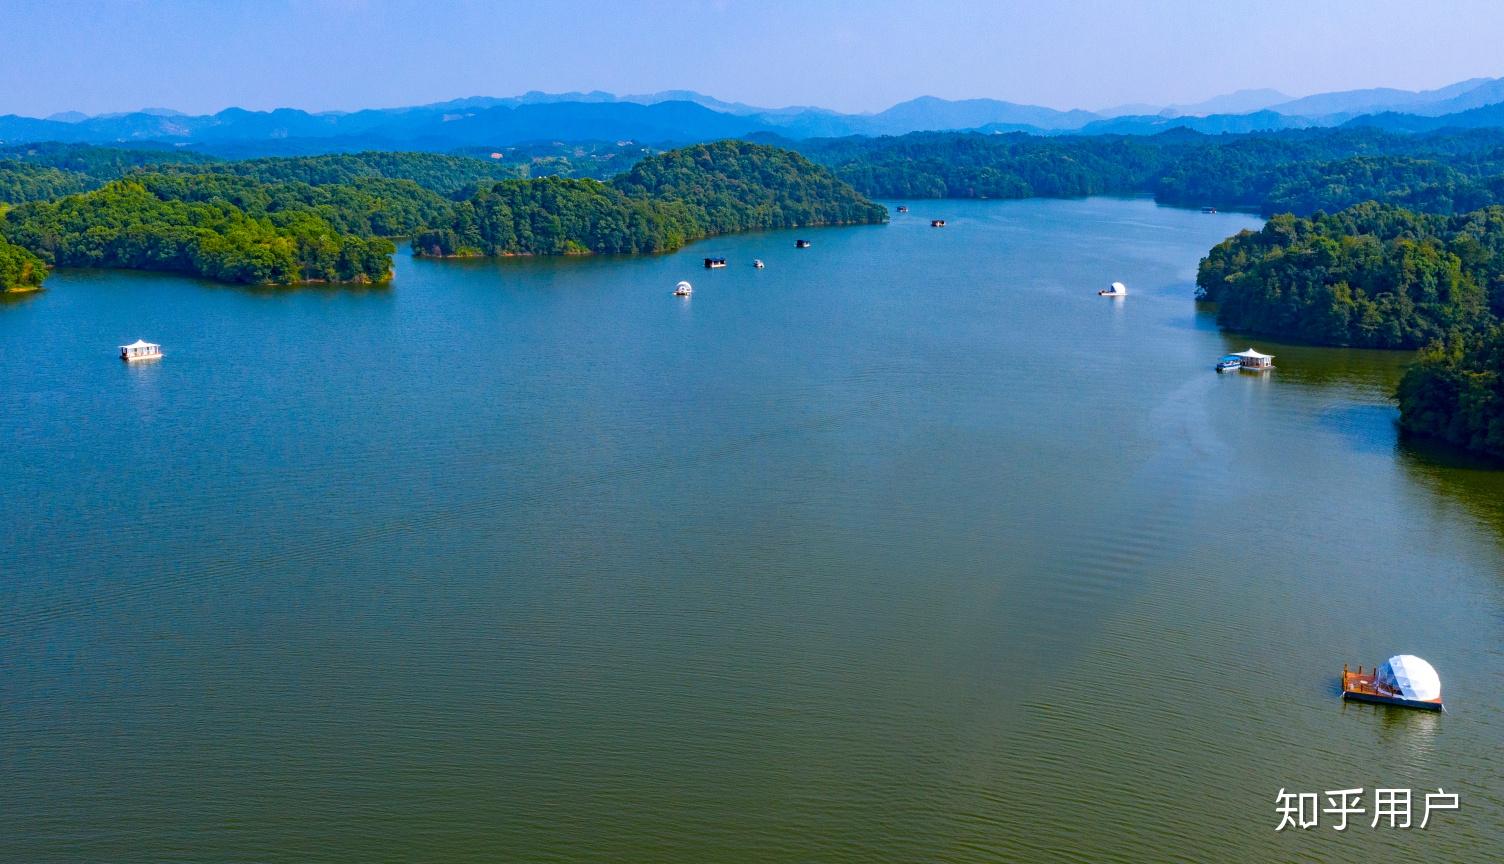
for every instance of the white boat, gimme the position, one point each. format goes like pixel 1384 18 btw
pixel 757 262
pixel 683 289
pixel 140 350
pixel 1118 289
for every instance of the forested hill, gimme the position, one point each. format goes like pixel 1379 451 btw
pixel 1374 276
pixel 663 202
pixel 138 224
pixel 20 270
pixel 1456 392
pixel 39 172
pixel 737 186
pixel 1298 171
pixel 330 218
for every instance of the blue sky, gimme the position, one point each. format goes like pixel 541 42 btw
pixel 204 55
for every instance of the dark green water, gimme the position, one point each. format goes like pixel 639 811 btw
pixel 906 548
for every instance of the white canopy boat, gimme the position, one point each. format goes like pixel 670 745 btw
pixel 1254 361
pixel 140 350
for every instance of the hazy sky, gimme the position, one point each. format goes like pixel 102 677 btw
pixel 204 55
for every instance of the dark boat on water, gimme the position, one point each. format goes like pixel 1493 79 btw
pixel 937 223
pixel 713 263
pixel 801 244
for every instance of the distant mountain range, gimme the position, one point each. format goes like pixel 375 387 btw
pixel 679 116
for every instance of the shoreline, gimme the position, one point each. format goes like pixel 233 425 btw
pixel 587 253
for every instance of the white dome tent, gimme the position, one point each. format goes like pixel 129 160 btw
pixel 1411 677
pixel 1403 679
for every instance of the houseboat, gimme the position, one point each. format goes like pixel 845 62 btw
pixel 1404 680
pixel 801 244
pixel 1253 361
pixel 139 350
pixel 1116 289
pixel 683 289
pixel 1229 363
pixel 937 223
pixel 902 209
pixel 714 263
pixel 757 262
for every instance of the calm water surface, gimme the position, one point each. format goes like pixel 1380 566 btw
pixel 906 548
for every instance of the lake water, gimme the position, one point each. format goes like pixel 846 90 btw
pixel 906 548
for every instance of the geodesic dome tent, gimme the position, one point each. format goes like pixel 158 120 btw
pixel 1409 676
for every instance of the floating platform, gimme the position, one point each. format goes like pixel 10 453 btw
pixel 140 350
pixel 1362 686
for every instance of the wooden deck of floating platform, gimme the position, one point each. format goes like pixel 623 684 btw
pixel 1359 687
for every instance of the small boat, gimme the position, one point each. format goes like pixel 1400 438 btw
pixel 1404 680
pixel 801 244
pixel 714 263
pixel 1208 209
pixel 937 223
pixel 1117 289
pixel 140 350
pixel 757 262
pixel 1230 362
pixel 902 209
pixel 683 289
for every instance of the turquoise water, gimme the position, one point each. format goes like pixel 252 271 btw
pixel 906 548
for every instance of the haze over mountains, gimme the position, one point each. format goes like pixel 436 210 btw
pixel 678 116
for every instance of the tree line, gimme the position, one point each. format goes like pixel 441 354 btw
pixel 1456 392
pixel 130 224
pixel 1298 171
pixel 661 203
pixel 20 270
pixel 333 218
pixel 1373 276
